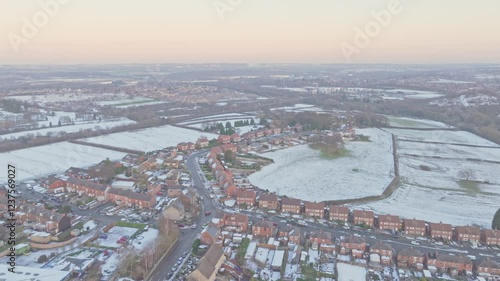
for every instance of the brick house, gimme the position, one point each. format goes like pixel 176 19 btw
pixel 53 183
pixel 191 145
pixel 202 142
pixel 389 222
pixel 86 187
pixel 411 258
pixel 356 246
pixel 183 146
pixel 440 231
pixel 131 198
pixel 467 233
pixel 51 221
pixel 363 217
pixel 414 227
pixel 323 240
pixel 171 163
pixel 490 237
pixel 488 267
pixel 235 137
pixel 313 209
pixel 290 234
pixel 247 197
pixel 238 222
pixel 290 205
pixel 268 201
pixel 209 264
pixel 384 250
pixel 339 213
pixel 209 235
pixel 223 139
pixel 449 263
pixel 321 237
pixel 77 173
pixel 230 146
pixel 268 132
pixel 263 228
pixel 173 177
pixel 175 191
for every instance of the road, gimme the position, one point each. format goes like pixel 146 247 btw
pixel 187 237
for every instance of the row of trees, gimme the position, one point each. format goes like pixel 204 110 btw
pixel 138 265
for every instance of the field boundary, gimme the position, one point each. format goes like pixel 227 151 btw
pixel 389 190
pixel 109 147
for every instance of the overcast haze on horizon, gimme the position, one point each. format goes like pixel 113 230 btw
pixel 255 31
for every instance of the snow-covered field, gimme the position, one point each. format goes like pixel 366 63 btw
pixel 53 158
pixel 218 116
pixel 449 151
pixel 130 102
pixel 457 208
pixel 347 272
pixel 302 172
pixel 150 139
pixel 415 123
pixel 69 128
pixel 431 176
pixel 457 137
pixel 67 97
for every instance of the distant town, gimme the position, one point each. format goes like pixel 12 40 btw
pixel 230 172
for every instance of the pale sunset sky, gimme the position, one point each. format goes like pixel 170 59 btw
pixel 251 31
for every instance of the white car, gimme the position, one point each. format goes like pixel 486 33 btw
pixel 415 243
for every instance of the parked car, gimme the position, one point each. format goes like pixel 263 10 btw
pixel 180 225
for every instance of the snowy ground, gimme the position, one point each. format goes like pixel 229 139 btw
pixel 415 123
pixel 366 171
pixel 110 264
pixel 347 272
pixel 53 158
pixel 448 151
pixel 69 128
pixel 456 137
pixel 146 238
pixel 218 117
pixel 67 97
pixel 114 234
pixel 431 178
pixel 150 139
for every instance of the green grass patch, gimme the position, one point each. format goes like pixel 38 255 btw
pixel 364 138
pixel 470 186
pixel 240 257
pixel 342 152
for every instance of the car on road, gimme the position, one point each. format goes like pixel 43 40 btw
pixel 194 226
pixel 208 213
pixel 415 243
pixel 180 225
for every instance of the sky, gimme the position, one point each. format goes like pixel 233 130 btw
pixel 249 31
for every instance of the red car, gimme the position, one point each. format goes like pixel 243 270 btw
pixel 159 193
pixel 208 213
pixel 180 225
